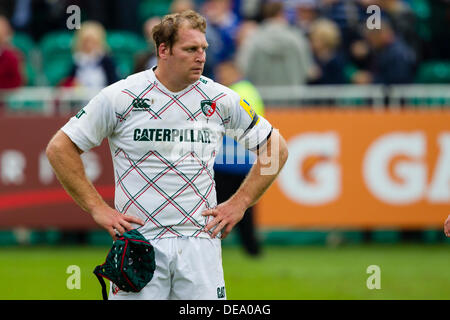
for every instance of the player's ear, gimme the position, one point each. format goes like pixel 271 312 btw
pixel 163 51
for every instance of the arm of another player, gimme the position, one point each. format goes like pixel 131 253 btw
pixel 268 165
pixel 447 226
pixel 64 156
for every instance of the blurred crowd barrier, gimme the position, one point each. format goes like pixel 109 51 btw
pixel 48 101
pixel 361 157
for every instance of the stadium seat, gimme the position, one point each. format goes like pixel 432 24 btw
pixel 124 45
pixel 30 73
pixel 153 8
pixel 434 72
pixel 124 66
pixel 24 43
pixel 421 8
pixel 422 11
pixel 58 43
pixel 56 50
pixel 26 46
pixel 56 70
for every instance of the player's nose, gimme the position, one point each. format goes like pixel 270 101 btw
pixel 201 56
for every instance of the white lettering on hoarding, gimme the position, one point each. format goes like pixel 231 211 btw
pixel 14 162
pixel 324 184
pixel 45 173
pixel 411 173
pixel 13 165
pixel 439 190
pixel 394 169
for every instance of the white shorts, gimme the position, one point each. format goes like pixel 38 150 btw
pixel 187 268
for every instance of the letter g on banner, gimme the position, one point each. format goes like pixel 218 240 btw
pixel 408 181
pixel 310 176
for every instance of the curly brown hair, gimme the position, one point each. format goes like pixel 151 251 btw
pixel 167 30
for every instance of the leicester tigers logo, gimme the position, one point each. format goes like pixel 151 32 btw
pixel 208 107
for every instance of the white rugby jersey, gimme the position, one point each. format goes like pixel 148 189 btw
pixel 163 145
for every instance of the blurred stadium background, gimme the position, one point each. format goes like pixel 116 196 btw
pixel 367 121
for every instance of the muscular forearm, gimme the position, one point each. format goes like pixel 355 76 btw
pixel 65 159
pixel 268 165
pixel 64 156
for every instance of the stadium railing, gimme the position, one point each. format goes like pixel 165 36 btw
pixel 51 100
pixel 375 96
pixel 45 101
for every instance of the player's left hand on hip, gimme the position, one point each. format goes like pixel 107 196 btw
pixel 225 218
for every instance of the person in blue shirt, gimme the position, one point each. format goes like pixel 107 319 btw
pixel 393 61
pixel 223 25
pixel 234 161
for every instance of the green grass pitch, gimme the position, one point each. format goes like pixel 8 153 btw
pixel 284 272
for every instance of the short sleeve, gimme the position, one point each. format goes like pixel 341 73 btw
pixel 92 123
pixel 246 126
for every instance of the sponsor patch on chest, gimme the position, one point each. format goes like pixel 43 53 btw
pixel 172 135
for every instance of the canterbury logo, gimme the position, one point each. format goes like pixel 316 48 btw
pixel 140 104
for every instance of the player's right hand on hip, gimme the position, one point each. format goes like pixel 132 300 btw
pixel 113 221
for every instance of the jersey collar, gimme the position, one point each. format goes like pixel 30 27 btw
pixel 152 78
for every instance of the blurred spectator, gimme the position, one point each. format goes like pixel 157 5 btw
pixel 10 59
pixel 38 17
pixel 276 53
pixel 403 21
pixel 246 29
pixel 234 162
pixel 348 15
pixel 147 59
pixel 223 25
pixel 112 14
pixel 393 62
pixel 360 54
pixel 325 41
pixel 306 11
pixel 249 9
pixel 21 14
pixel 181 5
pixel 7 8
pixel 92 65
pixel 125 15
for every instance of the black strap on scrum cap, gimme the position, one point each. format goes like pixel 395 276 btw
pixel 103 284
pixel 136 267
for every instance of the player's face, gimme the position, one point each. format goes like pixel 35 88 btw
pixel 188 55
